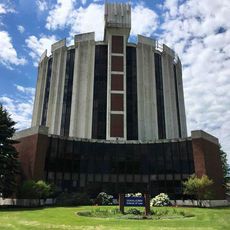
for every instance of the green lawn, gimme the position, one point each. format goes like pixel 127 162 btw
pixel 66 218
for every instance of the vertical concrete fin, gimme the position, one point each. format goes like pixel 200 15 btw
pixel 40 91
pixel 146 90
pixel 171 120
pixel 181 99
pixel 83 83
pixel 54 113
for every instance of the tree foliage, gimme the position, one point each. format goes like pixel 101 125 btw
pixel 9 164
pixel 198 187
pixel 225 166
pixel 35 190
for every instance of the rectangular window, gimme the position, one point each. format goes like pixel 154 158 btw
pixel 117 103
pixel 117 44
pixel 117 125
pixel 117 63
pixel 117 82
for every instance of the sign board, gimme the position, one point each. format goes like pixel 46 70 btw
pixel 134 201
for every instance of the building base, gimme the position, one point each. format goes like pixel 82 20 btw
pixel 93 166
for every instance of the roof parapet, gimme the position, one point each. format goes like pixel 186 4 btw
pixel 200 134
pixel 84 37
pixel 58 45
pixel 146 40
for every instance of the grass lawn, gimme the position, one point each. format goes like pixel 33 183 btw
pixel 66 218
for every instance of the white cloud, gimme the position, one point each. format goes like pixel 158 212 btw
pixel 144 20
pixel 20 106
pixel 60 14
pixel 21 29
pixel 90 19
pixel 4 9
pixel 42 5
pixel 8 54
pixel 38 45
pixel 26 90
pixel 200 32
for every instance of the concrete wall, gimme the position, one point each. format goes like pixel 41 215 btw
pixel 146 90
pixel 82 95
pixel 40 90
pixel 54 113
pixel 171 121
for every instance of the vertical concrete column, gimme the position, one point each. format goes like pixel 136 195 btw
pixel 115 69
pixel 146 90
pixel 54 113
pixel 40 90
pixel 117 30
pixel 83 82
pixel 183 124
pixel 171 121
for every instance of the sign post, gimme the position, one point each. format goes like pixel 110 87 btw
pixel 122 202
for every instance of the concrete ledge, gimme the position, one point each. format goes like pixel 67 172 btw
pixel 58 45
pixel 145 40
pixel 204 203
pixel 200 134
pixel 31 131
pixel 84 37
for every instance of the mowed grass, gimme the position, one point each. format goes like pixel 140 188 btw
pixel 67 218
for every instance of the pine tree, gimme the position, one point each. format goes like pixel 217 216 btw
pixel 9 164
pixel 225 166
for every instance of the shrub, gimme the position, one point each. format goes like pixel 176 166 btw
pixel 104 199
pixel 27 190
pixel 133 211
pixel 199 187
pixel 73 199
pixel 42 189
pixel 35 190
pixel 160 200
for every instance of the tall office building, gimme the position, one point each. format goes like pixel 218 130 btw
pixel 110 115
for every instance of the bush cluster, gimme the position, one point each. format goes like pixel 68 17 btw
pixel 104 199
pixel 160 200
pixel 35 190
pixel 76 198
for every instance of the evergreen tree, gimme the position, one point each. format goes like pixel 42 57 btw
pixel 9 164
pixel 225 166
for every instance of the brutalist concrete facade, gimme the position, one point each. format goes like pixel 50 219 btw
pixel 110 116
pixel 141 86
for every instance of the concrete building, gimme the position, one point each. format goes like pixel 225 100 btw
pixel 111 115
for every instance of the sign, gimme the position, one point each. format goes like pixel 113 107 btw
pixel 134 201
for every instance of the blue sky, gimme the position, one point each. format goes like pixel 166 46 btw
pixel 199 31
